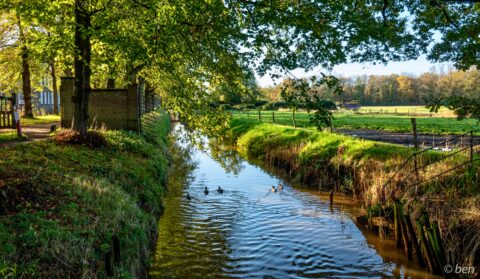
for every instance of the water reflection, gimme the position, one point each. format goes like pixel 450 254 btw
pixel 250 232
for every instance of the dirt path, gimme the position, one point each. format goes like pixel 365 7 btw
pixel 34 132
pixel 407 139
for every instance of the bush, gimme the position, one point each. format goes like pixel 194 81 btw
pixel 275 105
pixel 92 139
pixel 225 107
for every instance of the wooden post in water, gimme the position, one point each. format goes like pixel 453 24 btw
pixel 413 239
pixel 424 246
pixel 403 228
pixel 331 197
pixel 438 245
pixel 396 220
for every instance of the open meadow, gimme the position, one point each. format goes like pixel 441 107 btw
pixel 371 118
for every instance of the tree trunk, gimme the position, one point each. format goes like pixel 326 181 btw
pixel 54 86
pixel 26 83
pixel 82 68
pixel 111 78
pixel 110 83
pixel 26 79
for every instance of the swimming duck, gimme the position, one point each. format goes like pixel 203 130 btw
pixel 188 196
pixel 220 190
pixel 273 189
pixel 205 191
pixel 280 186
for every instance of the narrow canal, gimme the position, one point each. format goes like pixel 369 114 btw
pixel 248 231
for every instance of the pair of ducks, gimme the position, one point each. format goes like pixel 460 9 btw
pixel 280 187
pixel 205 191
pixel 219 190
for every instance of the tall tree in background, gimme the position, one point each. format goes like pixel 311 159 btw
pixel 25 55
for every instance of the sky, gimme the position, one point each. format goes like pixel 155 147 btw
pixel 415 67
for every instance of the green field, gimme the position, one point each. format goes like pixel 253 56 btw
pixel 383 122
pixel 414 110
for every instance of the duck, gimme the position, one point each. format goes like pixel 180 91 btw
pixel 273 189
pixel 220 190
pixel 280 186
pixel 188 196
pixel 205 191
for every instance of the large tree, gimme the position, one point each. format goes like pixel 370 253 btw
pixel 180 47
pixel 456 23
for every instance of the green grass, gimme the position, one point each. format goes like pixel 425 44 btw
pixel 383 122
pixel 61 205
pixel 360 166
pixel 8 136
pixel 404 110
pixel 40 120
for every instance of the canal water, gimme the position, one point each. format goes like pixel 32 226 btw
pixel 248 231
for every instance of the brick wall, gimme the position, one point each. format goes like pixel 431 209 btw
pixel 114 108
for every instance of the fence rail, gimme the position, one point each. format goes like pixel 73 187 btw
pixel 415 170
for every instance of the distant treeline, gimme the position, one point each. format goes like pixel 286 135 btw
pixel 397 89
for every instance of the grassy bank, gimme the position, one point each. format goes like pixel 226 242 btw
pixel 382 122
pixel 361 168
pixel 63 207
pixel 349 164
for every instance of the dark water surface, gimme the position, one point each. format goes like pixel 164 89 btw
pixel 250 232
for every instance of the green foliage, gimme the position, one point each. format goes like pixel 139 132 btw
pixel 58 221
pixel 275 105
pixel 462 106
pixel 322 116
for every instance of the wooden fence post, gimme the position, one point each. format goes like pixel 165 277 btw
pixel 259 115
pixel 248 114
pixel 415 141
pixel 415 135
pixel 293 119
pixel 273 116
pixel 13 107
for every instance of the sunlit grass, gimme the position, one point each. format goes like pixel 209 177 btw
pixel 40 119
pixel 382 122
pixel 8 136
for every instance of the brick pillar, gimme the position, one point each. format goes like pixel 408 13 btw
pixel 133 108
pixel 66 104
